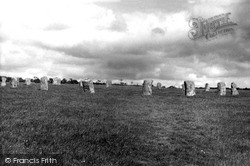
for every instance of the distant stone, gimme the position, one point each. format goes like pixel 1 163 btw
pixel 234 90
pixel 17 80
pixel 14 82
pixel 80 83
pixel 59 81
pixel 221 88
pixel 56 81
pixel 183 87
pixel 44 83
pixel 3 83
pixel 207 87
pixel 189 88
pixel 27 81
pixel 158 85
pixel 91 87
pixel 147 87
pixel 88 86
pixel 108 83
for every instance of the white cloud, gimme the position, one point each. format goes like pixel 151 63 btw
pixel 79 38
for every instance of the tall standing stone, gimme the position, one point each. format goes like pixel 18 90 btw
pixel 234 90
pixel 88 86
pixel 3 83
pixel 14 82
pixel 108 83
pixel 207 87
pixel 221 88
pixel 44 83
pixel 58 80
pixel 80 83
pixel 158 85
pixel 27 81
pixel 183 87
pixel 17 80
pixel 189 88
pixel 91 87
pixel 146 89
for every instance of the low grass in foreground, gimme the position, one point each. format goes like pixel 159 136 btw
pixel 118 126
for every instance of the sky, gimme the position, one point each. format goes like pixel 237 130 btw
pixel 131 40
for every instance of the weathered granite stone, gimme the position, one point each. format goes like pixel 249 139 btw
pixel 183 87
pixel 108 83
pixel 80 83
pixel 88 86
pixel 27 81
pixel 234 90
pixel 3 83
pixel 56 81
pixel 91 87
pixel 17 80
pixel 44 83
pixel 189 88
pixel 158 85
pixel 14 82
pixel 207 87
pixel 146 89
pixel 221 88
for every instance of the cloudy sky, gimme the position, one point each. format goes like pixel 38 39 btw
pixel 123 39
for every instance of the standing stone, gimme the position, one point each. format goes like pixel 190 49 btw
pixel 183 87
pixel 189 88
pixel 221 88
pixel 234 90
pixel 146 89
pixel 91 87
pixel 27 81
pixel 85 85
pixel 54 81
pixel 17 80
pixel 58 81
pixel 3 83
pixel 159 85
pixel 44 83
pixel 108 83
pixel 207 87
pixel 14 82
pixel 88 86
pixel 132 83
pixel 80 83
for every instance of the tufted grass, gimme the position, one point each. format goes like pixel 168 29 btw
pixel 118 126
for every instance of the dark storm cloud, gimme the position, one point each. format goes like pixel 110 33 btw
pixel 140 59
pixel 155 53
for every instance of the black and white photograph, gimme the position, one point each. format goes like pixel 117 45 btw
pixel 125 82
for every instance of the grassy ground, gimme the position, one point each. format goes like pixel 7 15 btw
pixel 118 126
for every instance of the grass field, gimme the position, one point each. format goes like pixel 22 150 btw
pixel 118 126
